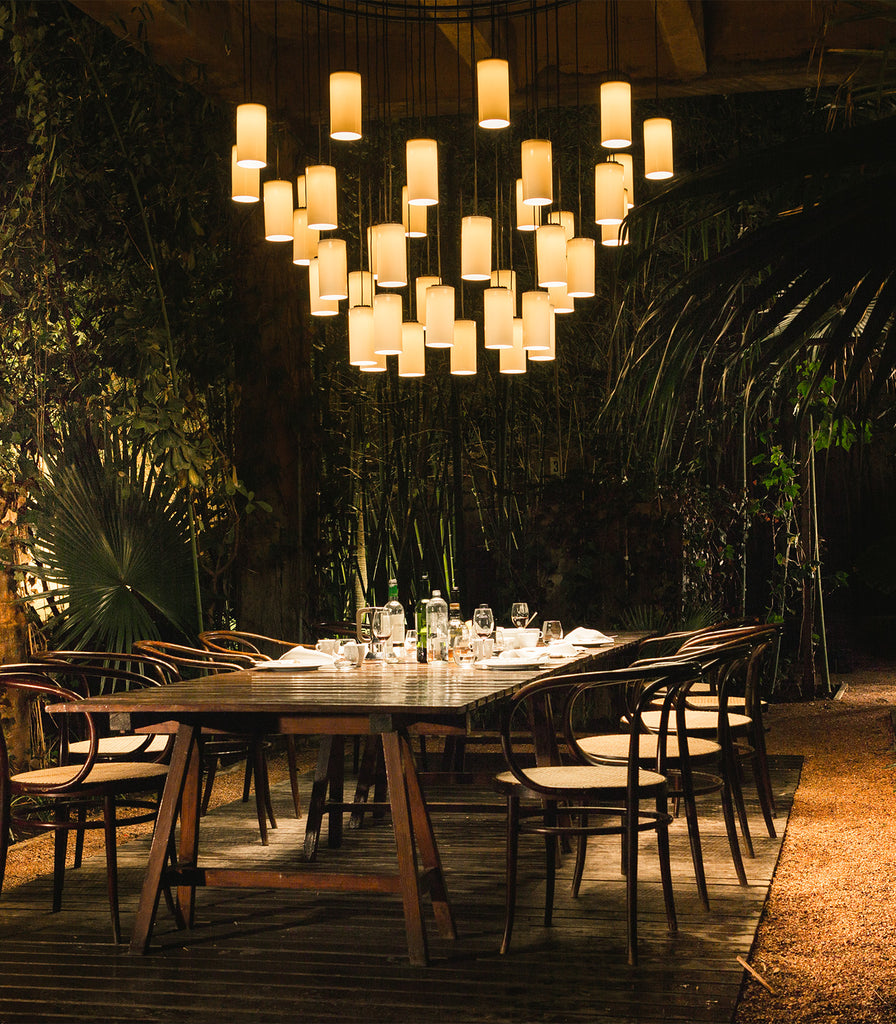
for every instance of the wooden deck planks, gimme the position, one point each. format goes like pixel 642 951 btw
pixel 273 956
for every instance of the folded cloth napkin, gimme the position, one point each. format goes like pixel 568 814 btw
pixel 581 635
pixel 307 656
pixel 562 649
pixel 523 654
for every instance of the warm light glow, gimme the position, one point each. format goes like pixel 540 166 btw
pixel 440 316
pixel 360 288
pixel 244 181
pixel 498 317
pixel 493 91
pixel 609 194
pixel 513 360
pixel 566 219
pixel 545 355
pixel 386 324
pixel 345 105
pixel 580 260
pixel 332 268
pixel 537 316
pixel 360 336
pixel 305 241
pixel 506 279
pixel 376 367
pixel 251 135
pixel 550 255
pixel 301 195
pixel 612 235
pixel 320 186
pixel 391 255
pixel 412 358
pixel 615 115
pixel 319 306
pixel 278 211
pixel 371 249
pixel 528 218
pixel 420 286
pixel 658 148
pixel 560 299
pixel 412 217
pixel 422 157
pixel 476 248
pixel 628 179
pixel 463 352
pixel 538 172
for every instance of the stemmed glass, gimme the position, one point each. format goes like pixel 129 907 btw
pixel 519 614
pixel 551 631
pixel 380 630
pixel 483 621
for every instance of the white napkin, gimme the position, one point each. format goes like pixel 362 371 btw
pixel 581 635
pixel 562 649
pixel 523 654
pixel 306 656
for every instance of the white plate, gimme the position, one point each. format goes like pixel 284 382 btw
pixel 511 664
pixel 285 666
pixel 595 643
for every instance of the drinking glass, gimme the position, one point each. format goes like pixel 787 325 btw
pixel 380 630
pixel 551 630
pixel 519 614
pixel 410 645
pixel 463 648
pixel 483 621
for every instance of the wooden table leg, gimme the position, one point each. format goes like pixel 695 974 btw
pixel 184 751
pixel 328 777
pixel 188 848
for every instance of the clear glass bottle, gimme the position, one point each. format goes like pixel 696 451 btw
pixel 394 647
pixel 455 621
pixel 420 619
pixel 437 628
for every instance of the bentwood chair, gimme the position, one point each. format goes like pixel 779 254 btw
pixel 67 788
pixel 558 800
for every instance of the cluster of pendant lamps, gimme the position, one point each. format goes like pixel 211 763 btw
pixel 519 331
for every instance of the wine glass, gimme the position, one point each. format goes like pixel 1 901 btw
pixel 380 630
pixel 463 648
pixel 551 631
pixel 519 614
pixel 483 621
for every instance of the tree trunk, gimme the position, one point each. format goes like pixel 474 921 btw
pixel 807 561
pixel 13 649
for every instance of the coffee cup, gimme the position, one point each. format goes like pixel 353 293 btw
pixel 327 646
pixel 353 652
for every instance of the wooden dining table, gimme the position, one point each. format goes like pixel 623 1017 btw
pixel 374 699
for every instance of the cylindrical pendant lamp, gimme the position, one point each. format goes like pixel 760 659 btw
pixel 244 181
pixel 391 247
pixel 537 314
pixel 360 336
pixel 476 248
pixel 566 219
pixel 320 186
pixel 422 156
pixel 546 354
pixel 513 360
pixel 319 306
pixel 538 172
pixel 658 148
pixel 550 255
pixel 506 279
pixel 252 135
pixel 386 324
pixel 278 211
pixel 332 268
pixel 345 105
pixel 628 177
pixel 360 288
pixel 412 358
pixel 609 194
pixel 304 242
pixel 440 316
pixel 615 114
pixel 527 217
pixel 580 268
pixel 378 366
pixel 612 235
pixel 497 317
pixel 301 194
pixel 463 351
pixel 420 286
pixel 493 92
pixel 561 299
pixel 412 217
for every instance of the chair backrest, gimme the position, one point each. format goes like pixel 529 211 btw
pixel 229 641
pixel 189 662
pixel 154 670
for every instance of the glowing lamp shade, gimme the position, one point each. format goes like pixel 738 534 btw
pixel 320 188
pixel 440 316
pixel 628 177
pixel 345 105
pixel 422 156
pixel 332 269
pixel 301 194
pixel 550 255
pixel 476 248
pixel 561 300
pixel 463 352
pixel 538 172
pixel 412 217
pixel 420 285
pixel 612 235
pixel 580 265
pixel 391 255
pixel 252 135
pixel 244 181
pixel 546 354
pixel 412 358
pixel 615 114
pixel 513 360
pixel 360 336
pixel 609 193
pixel 537 316
pixel 498 317
pixel 658 148
pixel 360 288
pixel 506 279
pixel 278 211
pixel 386 324
pixel 378 366
pixel 493 92
pixel 304 241
pixel 319 306
pixel 566 219
pixel 527 217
